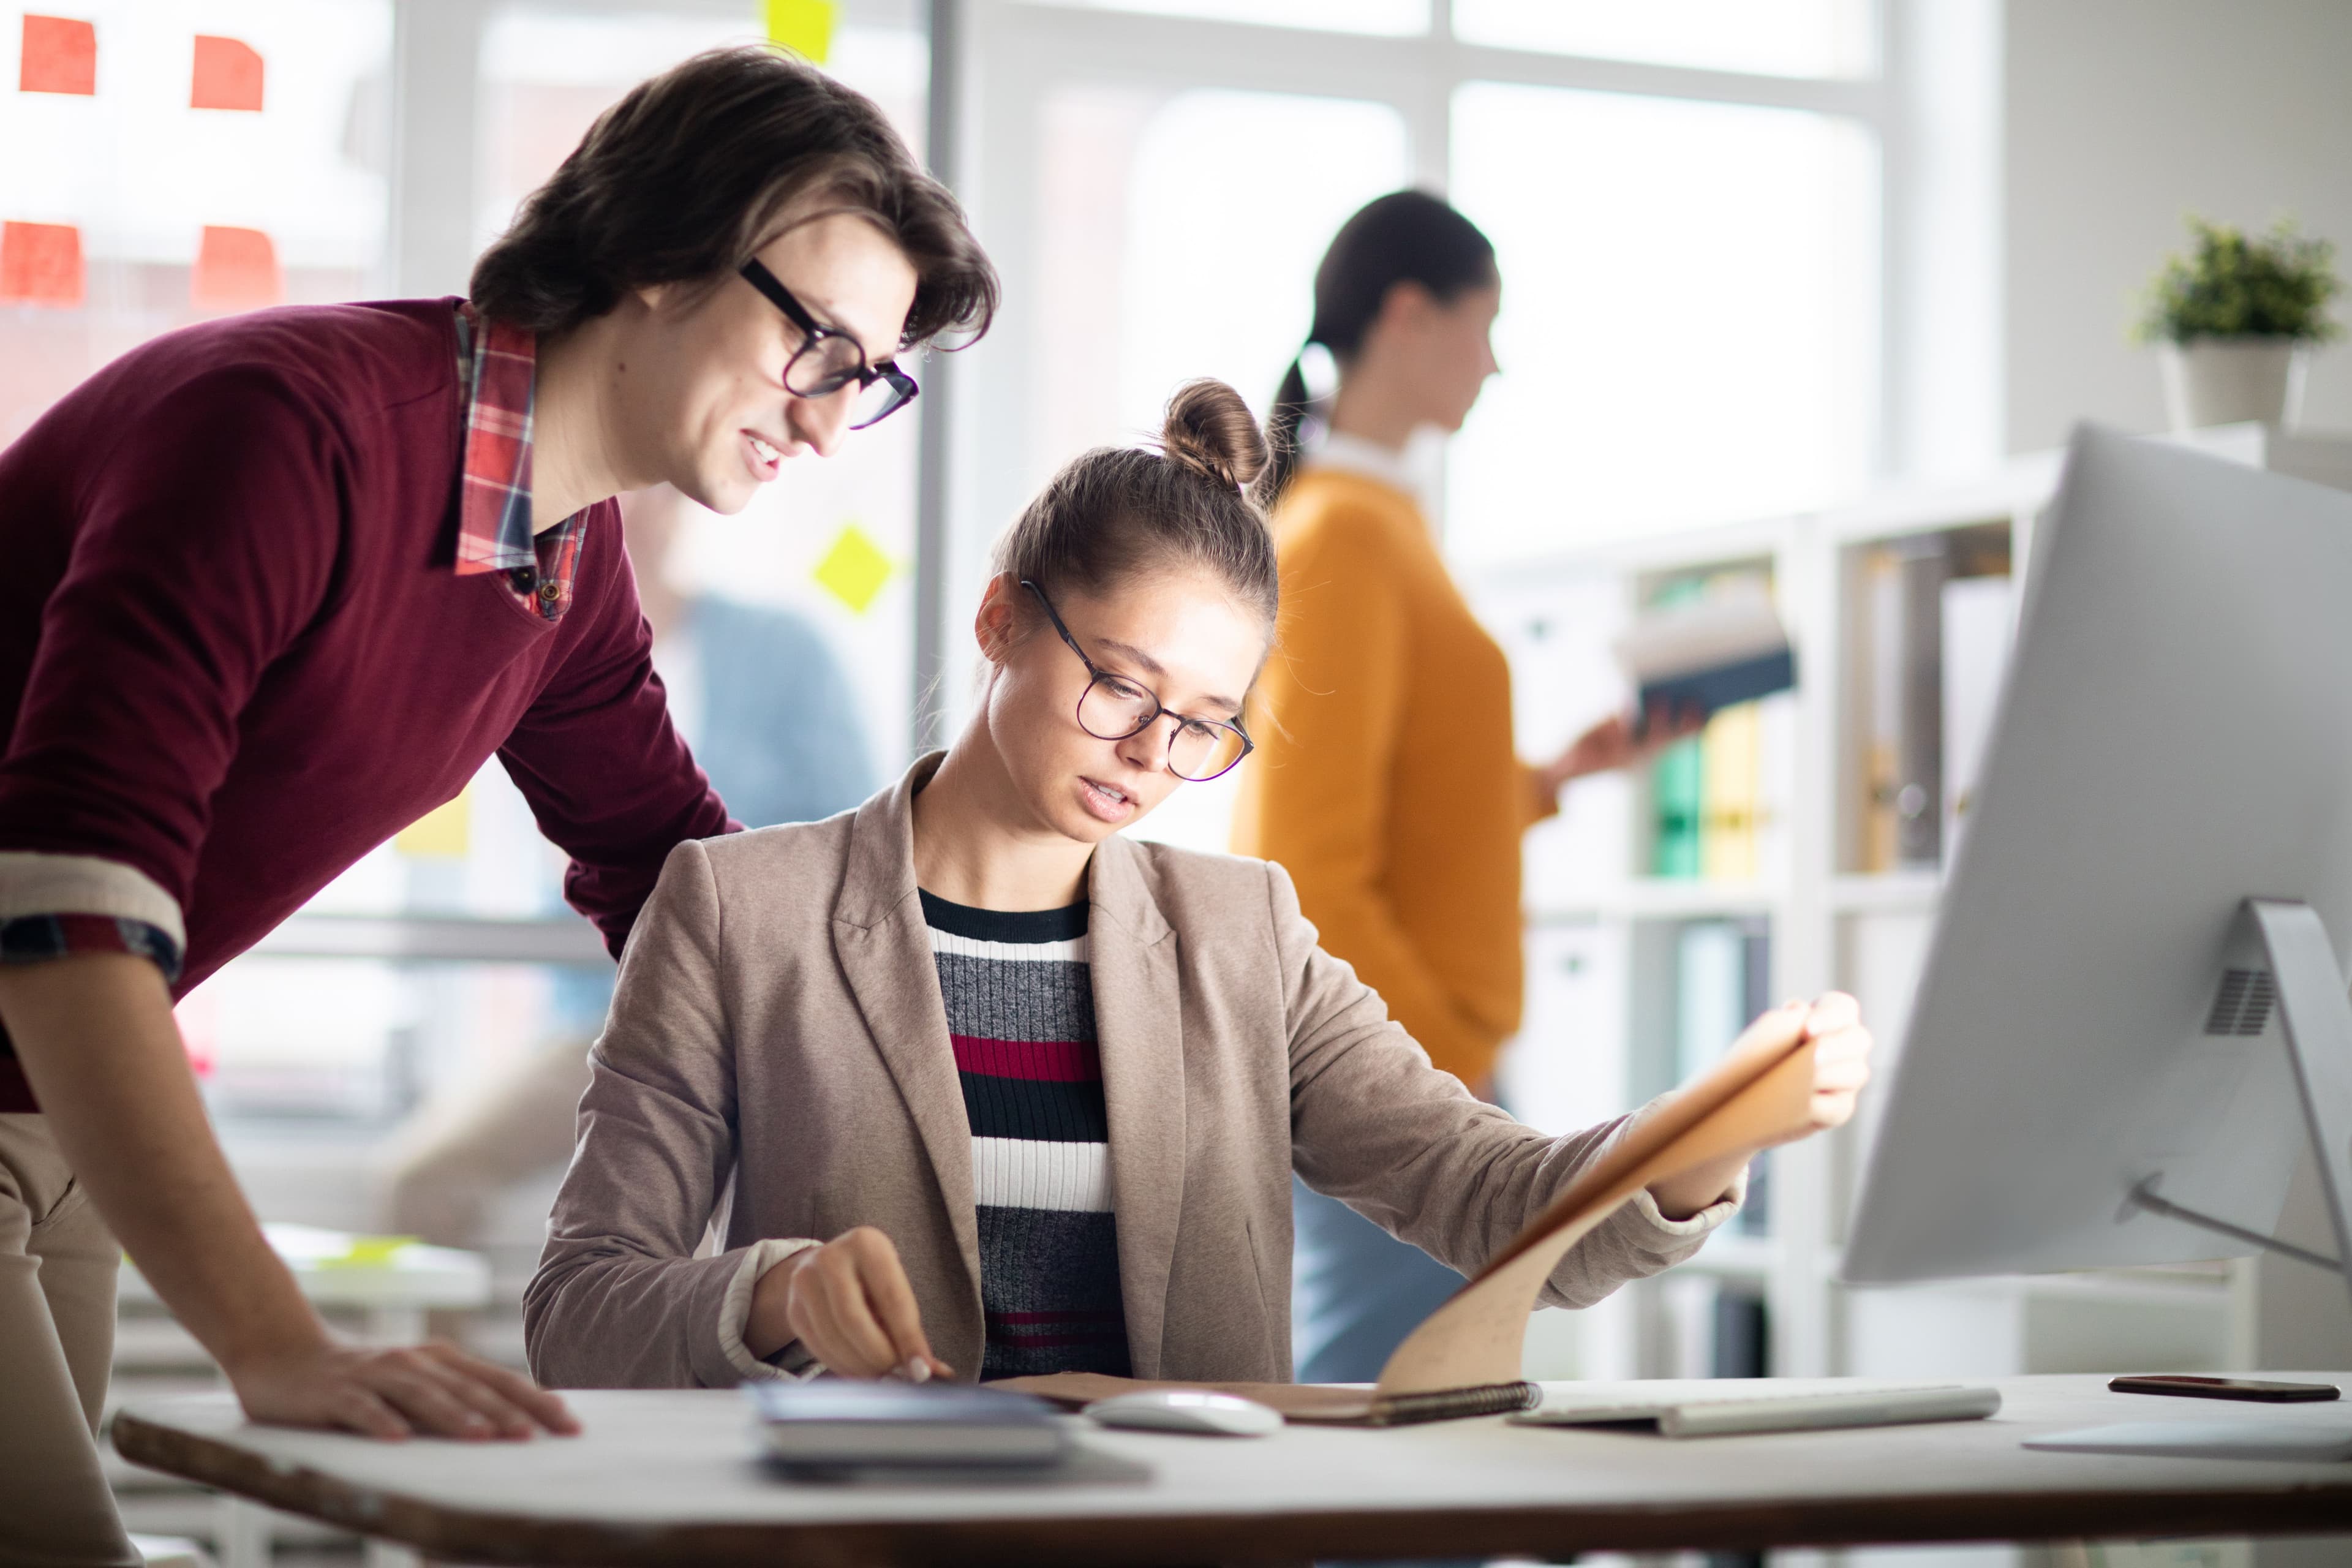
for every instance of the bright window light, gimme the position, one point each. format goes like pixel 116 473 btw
pixel 1392 17
pixel 1221 270
pixel 1689 316
pixel 1767 38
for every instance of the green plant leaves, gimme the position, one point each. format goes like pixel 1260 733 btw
pixel 2234 285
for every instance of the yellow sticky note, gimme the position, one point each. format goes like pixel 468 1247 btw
pixel 370 1252
pixel 804 26
pixel 441 834
pixel 854 569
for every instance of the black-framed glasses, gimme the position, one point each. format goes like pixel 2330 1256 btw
pixel 829 359
pixel 1113 708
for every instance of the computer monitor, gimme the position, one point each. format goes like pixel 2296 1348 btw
pixel 2100 1067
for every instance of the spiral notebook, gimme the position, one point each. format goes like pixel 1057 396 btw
pixel 1464 1359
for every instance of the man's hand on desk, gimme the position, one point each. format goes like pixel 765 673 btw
pixel 433 1389
pixel 849 1304
pixel 1840 1068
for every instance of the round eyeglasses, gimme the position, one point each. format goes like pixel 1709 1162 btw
pixel 1113 708
pixel 829 359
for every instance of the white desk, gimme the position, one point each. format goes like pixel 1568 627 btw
pixel 393 1288
pixel 672 1479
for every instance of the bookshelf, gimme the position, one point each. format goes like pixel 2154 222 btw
pixel 1899 608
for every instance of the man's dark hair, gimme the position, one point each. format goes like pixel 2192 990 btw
pixel 689 175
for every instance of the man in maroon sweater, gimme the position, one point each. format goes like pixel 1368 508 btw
pixel 277 587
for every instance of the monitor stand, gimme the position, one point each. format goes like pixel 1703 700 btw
pixel 2284 945
pixel 2281 949
pixel 2285 953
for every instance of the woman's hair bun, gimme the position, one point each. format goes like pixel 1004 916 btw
pixel 1210 428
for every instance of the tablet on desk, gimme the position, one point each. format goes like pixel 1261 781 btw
pixel 837 1423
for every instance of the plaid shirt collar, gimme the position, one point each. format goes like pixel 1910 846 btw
pixel 498 364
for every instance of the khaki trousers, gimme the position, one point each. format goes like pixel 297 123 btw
pixel 57 1267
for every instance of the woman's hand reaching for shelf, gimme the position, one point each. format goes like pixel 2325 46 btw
pixel 1617 742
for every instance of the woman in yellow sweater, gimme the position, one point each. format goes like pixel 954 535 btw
pixel 1387 783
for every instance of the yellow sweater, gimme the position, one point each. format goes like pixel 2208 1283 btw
pixel 1386 780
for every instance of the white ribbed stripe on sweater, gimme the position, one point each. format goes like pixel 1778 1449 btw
pixel 1018 1173
pixel 1071 951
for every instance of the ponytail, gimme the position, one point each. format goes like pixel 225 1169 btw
pixel 1284 423
pixel 1405 236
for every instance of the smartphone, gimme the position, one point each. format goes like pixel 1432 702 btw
pixel 2227 1388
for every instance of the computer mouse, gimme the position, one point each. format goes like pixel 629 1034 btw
pixel 1187 1410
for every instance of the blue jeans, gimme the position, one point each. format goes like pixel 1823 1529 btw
pixel 1356 1292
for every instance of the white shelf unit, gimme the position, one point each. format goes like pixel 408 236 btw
pixel 1593 1003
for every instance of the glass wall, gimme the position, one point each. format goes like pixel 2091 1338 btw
pixel 1400 18
pixel 1781 37
pixel 1690 313
pixel 166 162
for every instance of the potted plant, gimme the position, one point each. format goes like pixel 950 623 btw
pixel 2234 322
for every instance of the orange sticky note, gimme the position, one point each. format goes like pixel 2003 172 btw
pixel 237 269
pixel 60 54
pixel 40 264
pixel 227 75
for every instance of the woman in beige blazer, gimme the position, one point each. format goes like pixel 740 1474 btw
pixel 805 1013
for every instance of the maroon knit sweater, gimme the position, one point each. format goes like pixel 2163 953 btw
pixel 235 655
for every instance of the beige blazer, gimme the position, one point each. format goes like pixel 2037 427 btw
pixel 779 1021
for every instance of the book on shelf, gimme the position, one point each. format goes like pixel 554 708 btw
pixel 1934 637
pixel 1902 748
pixel 1980 617
pixel 1723 979
pixel 1678 800
pixel 1713 645
pixel 1731 788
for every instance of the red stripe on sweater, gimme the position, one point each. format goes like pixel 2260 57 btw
pixel 1051 1061
pixel 1057 1341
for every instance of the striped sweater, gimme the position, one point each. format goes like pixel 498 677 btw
pixel 1021 1014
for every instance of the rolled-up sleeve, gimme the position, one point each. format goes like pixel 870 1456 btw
pixel 183 583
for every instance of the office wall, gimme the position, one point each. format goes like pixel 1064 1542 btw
pixel 2120 116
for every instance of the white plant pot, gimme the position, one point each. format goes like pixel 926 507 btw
pixel 2231 381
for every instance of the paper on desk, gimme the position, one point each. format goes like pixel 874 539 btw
pixel 1759 1093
